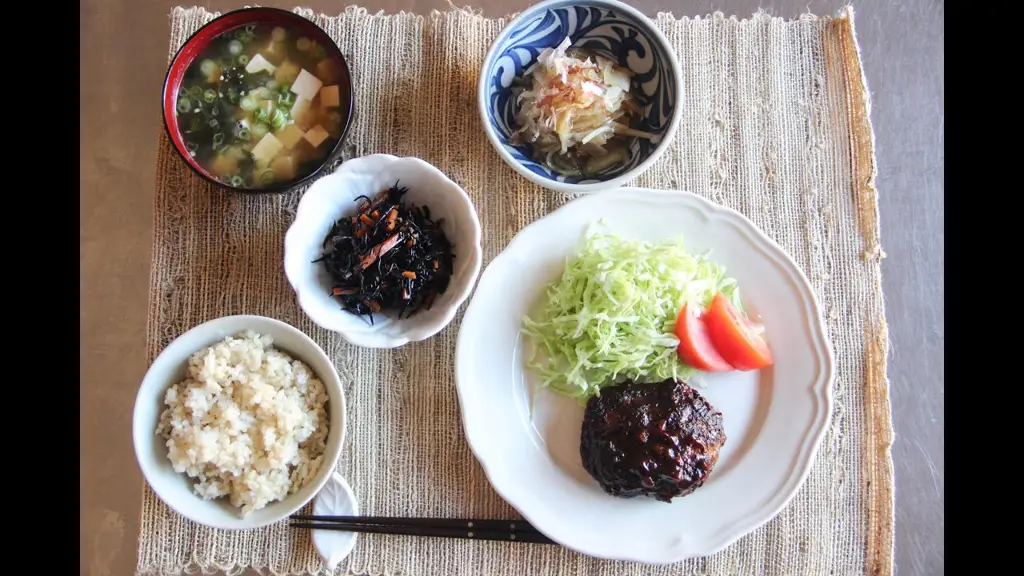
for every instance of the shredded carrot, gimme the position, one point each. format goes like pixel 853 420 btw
pixel 379 250
pixel 375 214
pixel 436 265
pixel 409 274
pixel 365 220
pixel 392 216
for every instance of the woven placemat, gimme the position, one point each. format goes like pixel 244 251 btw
pixel 776 125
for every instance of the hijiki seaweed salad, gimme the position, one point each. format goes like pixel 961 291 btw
pixel 390 256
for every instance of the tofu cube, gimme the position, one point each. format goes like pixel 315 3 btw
pixel 290 135
pixel 283 167
pixel 316 135
pixel 306 85
pixel 301 111
pixel 287 72
pixel 224 165
pixel 265 150
pixel 258 64
pixel 329 97
pixel 326 71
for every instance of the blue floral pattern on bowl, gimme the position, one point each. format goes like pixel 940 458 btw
pixel 593 26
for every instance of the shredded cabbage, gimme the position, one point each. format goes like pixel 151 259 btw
pixel 611 315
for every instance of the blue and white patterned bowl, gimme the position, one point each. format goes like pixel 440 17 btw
pixel 615 30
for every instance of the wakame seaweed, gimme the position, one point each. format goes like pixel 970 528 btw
pixel 389 256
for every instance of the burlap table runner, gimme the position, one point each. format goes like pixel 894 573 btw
pixel 775 125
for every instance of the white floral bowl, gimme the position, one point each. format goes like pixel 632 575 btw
pixel 613 29
pixel 333 197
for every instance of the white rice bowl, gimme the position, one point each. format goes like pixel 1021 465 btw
pixel 248 423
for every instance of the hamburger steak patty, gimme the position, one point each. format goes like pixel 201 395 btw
pixel 659 440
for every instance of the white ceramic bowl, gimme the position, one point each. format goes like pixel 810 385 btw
pixel 170 367
pixel 333 197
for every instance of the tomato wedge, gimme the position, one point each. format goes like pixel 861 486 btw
pixel 734 337
pixel 695 346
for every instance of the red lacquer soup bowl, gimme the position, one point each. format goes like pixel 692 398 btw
pixel 257 158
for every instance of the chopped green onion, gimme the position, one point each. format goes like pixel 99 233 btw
pixel 237 181
pixel 259 130
pixel 210 96
pixel 262 115
pixel 272 84
pixel 303 43
pixel 279 120
pixel 286 99
pixel 262 92
pixel 208 67
pixel 235 47
pixel 247 104
pixel 214 111
pixel 243 59
pixel 213 123
pixel 218 139
pixel 267 177
pixel 191 146
pixel 195 92
pixel 244 134
pixel 232 95
pixel 250 28
pixel 184 104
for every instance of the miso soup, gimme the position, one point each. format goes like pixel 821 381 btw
pixel 261 106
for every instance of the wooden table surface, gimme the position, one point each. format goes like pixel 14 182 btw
pixel 123 57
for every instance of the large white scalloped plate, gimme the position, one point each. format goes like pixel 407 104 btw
pixel 528 440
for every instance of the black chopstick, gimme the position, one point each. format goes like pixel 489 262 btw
pixel 500 530
pixel 500 525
